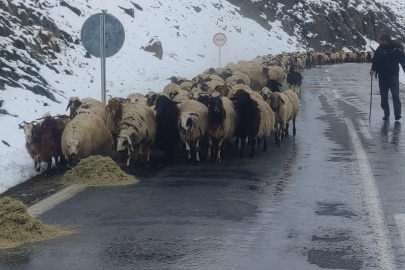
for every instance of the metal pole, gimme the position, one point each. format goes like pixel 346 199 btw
pixel 371 98
pixel 102 57
pixel 219 56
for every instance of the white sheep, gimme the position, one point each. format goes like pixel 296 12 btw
pixel 265 93
pixel 171 89
pixel 85 103
pixel 136 99
pixel 281 104
pixel 84 136
pixel 192 125
pixel 137 133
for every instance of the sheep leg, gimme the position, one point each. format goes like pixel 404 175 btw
pixel 242 146
pixel 38 165
pixel 188 150
pixel 264 144
pixel 140 155
pixel 259 142
pixel 147 156
pixel 278 132
pixel 197 151
pixel 294 130
pixel 236 142
pixel 48 169
pixel 209 148
pixel 253 146
pixel 128 156
pixel 286 129
pixel 219 150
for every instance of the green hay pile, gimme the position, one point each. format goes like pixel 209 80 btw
pixel 18 227
pixel 97 171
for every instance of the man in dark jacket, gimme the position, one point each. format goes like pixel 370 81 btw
pixel 386 62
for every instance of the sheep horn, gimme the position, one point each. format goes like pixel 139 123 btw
pixel 70 103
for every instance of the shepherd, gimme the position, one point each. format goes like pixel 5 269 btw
pixel 385 65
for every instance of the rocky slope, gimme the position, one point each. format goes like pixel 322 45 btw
pixel 33 44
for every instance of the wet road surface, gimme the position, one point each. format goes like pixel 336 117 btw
pixel 331 197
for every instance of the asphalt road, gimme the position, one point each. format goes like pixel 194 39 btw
pixel 331 197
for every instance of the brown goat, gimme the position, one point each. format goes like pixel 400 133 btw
pixel 52 129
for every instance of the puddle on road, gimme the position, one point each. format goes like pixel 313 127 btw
pixel 335 250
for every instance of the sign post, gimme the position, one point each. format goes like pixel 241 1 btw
pixel 219 40
pixel 102 36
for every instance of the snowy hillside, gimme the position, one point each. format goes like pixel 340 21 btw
pixel 35 85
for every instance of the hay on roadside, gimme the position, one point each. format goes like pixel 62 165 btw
pixel 97 171
pixel 18 227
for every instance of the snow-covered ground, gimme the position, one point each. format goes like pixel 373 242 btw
pixel 188 49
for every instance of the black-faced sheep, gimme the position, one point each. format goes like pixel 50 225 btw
pixel 273 85
pixel 221 123
pixel 255 119
pixel 192 123
pixel 294 78
pixel 84 136
pixel 167 132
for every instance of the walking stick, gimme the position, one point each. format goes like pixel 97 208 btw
pixel 371 97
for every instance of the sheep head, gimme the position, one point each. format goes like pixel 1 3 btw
pixel 186 122
pixel 124 141
pixel 73 146
pixel 276 101
pixel 30 130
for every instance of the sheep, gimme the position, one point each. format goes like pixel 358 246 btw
pixel 294 78
pixel 273 85
pixel 178 94
pixel 115 111
pixel 171 88
pixel 213 84
pixel 86 103
pixel 265 93
pixel 186 86
pixel 178 80
pixel 192 123
pixel 233 80
pixel 52 129
pixel 167 133
pixel 100 111
pixel 224 90
pixel 84 136
pixel 151 97
pixel 135 99
pixel 281 104
pixel 137 132
pixel 33 135
pixel 295 110
pixel 221 123
pixel 255 119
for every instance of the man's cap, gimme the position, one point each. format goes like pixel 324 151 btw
pixel 386 37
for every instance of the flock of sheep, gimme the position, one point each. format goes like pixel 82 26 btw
pixel 241 100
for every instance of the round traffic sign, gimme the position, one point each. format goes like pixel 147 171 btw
pixel 114 35
pixel 219 39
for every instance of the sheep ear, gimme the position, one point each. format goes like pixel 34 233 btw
pixel 281 100
pixel 130 144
